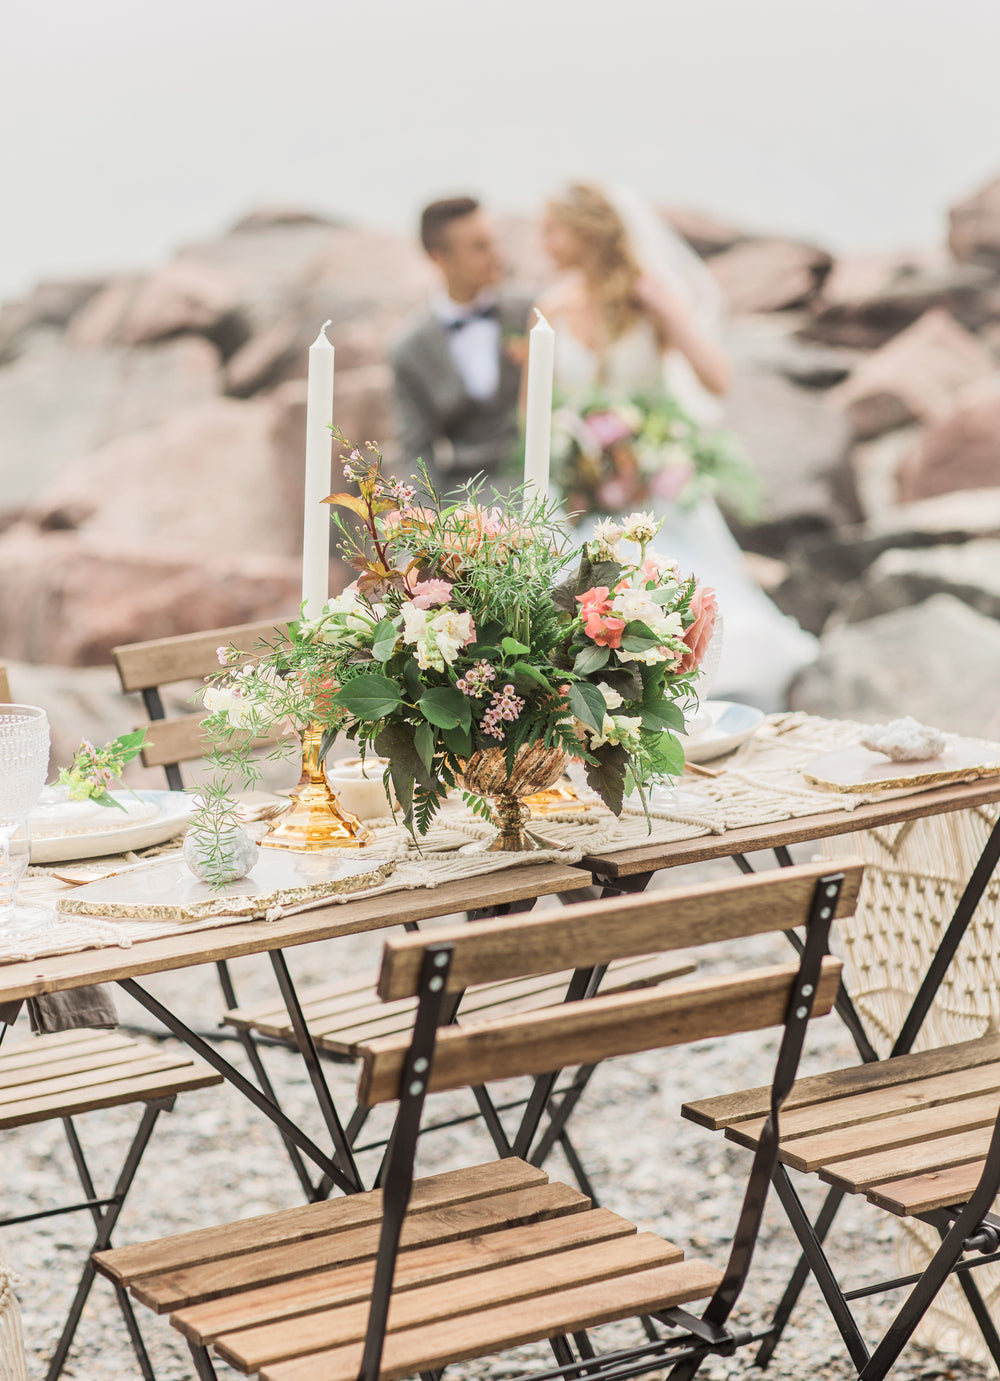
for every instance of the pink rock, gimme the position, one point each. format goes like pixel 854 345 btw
pixel 868 300
pixel 70 599
pixel 974 233
pixel 182 296
pixel 770 275
pixel 707 235
pixel 916 377
pixel 961 451
pixel 100 321
pixel 211 479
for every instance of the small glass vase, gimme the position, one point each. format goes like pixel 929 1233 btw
pixel 535 768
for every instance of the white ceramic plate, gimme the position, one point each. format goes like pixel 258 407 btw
pixel 173 809
pixel 731 724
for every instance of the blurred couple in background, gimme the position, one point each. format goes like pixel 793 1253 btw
pixel 639 374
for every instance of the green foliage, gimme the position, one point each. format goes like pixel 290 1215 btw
pixel 92 770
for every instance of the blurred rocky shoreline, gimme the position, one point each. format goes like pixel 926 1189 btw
pixel 151 442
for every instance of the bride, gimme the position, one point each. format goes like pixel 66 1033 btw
pixel 633 311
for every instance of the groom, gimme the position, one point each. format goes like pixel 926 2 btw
pixel 457 370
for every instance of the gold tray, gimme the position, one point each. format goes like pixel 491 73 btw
pixel 859 769
pixel 166 890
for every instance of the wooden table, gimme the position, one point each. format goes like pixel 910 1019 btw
pixel 507 888
pixel 630 870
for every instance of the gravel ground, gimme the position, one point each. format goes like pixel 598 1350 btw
pixel 215 1159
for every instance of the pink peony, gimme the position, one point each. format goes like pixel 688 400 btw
pixel 698 635
pixel 427 593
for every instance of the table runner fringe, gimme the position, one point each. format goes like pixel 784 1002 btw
pixel 13 1362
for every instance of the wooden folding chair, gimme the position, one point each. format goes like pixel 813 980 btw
pixel 5 698
pixel 425 1272
pixel 919 1136
pixel 75 1072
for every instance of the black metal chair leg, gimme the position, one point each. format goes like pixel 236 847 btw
pixel 799 1276
pixel 821 1269
pixel 250 1046
pixel 981 1313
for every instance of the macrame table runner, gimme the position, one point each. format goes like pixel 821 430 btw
pixel 760 784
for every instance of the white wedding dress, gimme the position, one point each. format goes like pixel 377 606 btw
pixel 762 648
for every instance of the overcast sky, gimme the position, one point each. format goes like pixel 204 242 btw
pixel 129 127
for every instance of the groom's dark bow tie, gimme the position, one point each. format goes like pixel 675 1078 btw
pixel 487 313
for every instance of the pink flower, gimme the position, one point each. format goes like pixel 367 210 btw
pixel 603 630
pixel 612 495
pixel 606 428
pixel 427 593
pixel 698 635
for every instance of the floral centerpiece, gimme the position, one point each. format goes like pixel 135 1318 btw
pixel 474 629
pixel 612 453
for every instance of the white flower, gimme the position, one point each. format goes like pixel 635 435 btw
pixel 607 530
pixel 618 729
pixel 228 701
pixel 437 635
pixel 641 527
pixel 649 658
pixel 611 697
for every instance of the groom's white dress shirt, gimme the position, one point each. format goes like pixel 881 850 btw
pixel 473 341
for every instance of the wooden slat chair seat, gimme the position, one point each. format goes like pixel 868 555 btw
pixel 409 1278
pixel 70 1073
pixel 342 1017
pixel 912 1134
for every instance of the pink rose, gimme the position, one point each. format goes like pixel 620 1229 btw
pixel 698 635
pixel 427 593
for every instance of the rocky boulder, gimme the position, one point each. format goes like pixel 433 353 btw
pixel 974 227
pixel 772 344
pixel 970 571
pixel 770 275
pixel 69 598
pixel 58 403
pixel 213 478
pixel 936 661
pixel 866 301
pixel 798 444
pixel 50 303
pixel 707 235
pixel 960 451
pixel 916 377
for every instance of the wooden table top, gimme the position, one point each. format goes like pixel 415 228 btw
pixel 62 971
pixel 648 858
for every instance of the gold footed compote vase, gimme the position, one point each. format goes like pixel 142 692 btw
pixel 316 819
pixel 535 769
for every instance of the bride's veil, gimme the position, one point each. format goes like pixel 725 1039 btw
pixel 663 254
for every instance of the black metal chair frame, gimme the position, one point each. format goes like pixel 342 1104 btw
pixel 692 1338
pixel 970 1228
pixel 105 1212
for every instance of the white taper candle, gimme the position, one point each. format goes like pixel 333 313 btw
pixel 538 413
pixel 319 451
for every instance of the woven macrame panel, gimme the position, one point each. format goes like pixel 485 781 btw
pixel 914 876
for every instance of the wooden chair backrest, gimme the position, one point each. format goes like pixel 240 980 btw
pixel 147 666
pixel 5 698
pixel 621 927
pixel 601 1027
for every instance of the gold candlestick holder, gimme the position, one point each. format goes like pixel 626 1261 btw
pixel 316 819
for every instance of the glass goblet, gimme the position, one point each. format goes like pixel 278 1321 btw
pixel 24 763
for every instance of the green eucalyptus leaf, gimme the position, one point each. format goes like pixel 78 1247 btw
pixel 639 637
pixel 457 741
pixel 666 754
pixel 532 674
pixel 512 648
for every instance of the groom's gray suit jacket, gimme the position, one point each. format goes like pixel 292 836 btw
pixel 433 407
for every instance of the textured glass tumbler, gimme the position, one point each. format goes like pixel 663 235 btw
pixel 24 764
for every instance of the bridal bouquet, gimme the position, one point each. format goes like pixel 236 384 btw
pixel 464 631
pixel 612 453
